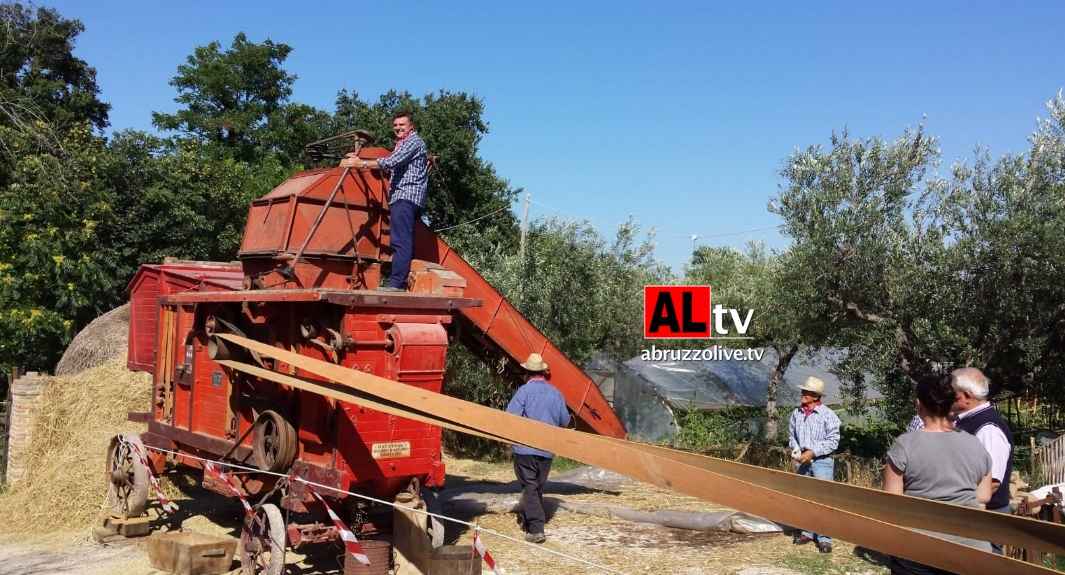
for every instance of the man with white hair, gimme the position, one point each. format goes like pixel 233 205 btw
pixel 813 434
pixel 975 414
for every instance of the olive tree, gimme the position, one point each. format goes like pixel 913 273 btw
pixel 920 273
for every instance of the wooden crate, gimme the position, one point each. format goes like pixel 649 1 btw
pixel 191 553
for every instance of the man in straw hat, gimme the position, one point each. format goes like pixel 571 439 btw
pixel 813 434
pixel 536 399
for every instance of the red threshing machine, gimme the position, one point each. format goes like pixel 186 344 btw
pixel 310 259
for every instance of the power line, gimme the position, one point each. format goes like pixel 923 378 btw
pixel 695 239
pixel 739 233
pixel 477 219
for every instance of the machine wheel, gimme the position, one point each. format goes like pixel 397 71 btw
pixel 262 542
pixel 274 442
pixel 127 487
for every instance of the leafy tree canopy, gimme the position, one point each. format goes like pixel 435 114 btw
pixel 920 273
pixel 40 78
pixel 583 292
pixel 232 97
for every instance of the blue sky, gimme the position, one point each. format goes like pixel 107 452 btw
pixel 677 114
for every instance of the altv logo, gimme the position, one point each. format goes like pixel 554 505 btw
pixel 687 312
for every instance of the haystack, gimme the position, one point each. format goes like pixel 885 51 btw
pixel 65 486
pixel 106 337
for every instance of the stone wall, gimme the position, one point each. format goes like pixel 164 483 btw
pixel 25 395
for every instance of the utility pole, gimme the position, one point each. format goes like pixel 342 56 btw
pixel 694 238
pixel 524 226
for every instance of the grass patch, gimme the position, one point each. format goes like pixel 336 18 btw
pixel 564 464
pixel 820 564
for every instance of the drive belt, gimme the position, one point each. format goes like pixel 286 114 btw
pixel 785 498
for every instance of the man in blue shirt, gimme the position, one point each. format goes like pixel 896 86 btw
pixel 536 399
pixel 408 188
pixel 813 434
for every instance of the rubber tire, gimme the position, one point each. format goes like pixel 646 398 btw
pixel 137 500
pixel 286 435
pixel 275 530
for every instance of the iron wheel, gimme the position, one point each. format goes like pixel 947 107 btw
pixel 127 486
pixel 262 542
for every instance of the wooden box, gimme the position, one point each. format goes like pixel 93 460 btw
pixel 191 553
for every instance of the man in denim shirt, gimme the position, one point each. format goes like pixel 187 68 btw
pixel 536 399
pixel 408 188
pixel 813 434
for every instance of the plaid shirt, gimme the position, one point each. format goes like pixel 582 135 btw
pixel 818 431
pixel 409 164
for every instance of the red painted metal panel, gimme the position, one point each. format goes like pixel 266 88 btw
pixel 143 320
pixel 154 281
pixel 282 220
pixel 518 337
pixel 273 219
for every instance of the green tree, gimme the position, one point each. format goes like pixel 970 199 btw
pixel 57 261
pixel 40 78
pixel 181 198
pixel 779 291
pixel 56 269
pixel 238 99
pixel 584 293
pixel 920 274
pixel 853 213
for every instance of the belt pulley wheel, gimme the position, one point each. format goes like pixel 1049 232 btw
pixel 274 442
pixel 127 476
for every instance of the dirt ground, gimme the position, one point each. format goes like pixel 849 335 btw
pixel 634 548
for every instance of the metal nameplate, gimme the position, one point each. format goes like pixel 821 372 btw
pixel 391 450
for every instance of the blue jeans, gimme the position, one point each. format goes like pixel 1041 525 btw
pixel 823 468
pixel 996 548
pixel 404 214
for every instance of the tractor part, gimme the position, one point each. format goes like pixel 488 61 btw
pixel 331 342
pixel 127 476
pixel 262 542
pixel 288 268
pixel 217 349
pixel 300 534
pixel 274 442
pixel 334 148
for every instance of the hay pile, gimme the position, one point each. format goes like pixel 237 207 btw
pixel 64 486
pixel 106 337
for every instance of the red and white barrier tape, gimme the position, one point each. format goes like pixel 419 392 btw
pixel 224 477
pixel 167 505
pixel 482 550
pixel 536 548
pixel 351 543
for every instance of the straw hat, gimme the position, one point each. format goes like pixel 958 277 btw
pixel 535 363
pixel 813 385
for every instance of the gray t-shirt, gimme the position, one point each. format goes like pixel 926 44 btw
pixel 942 466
